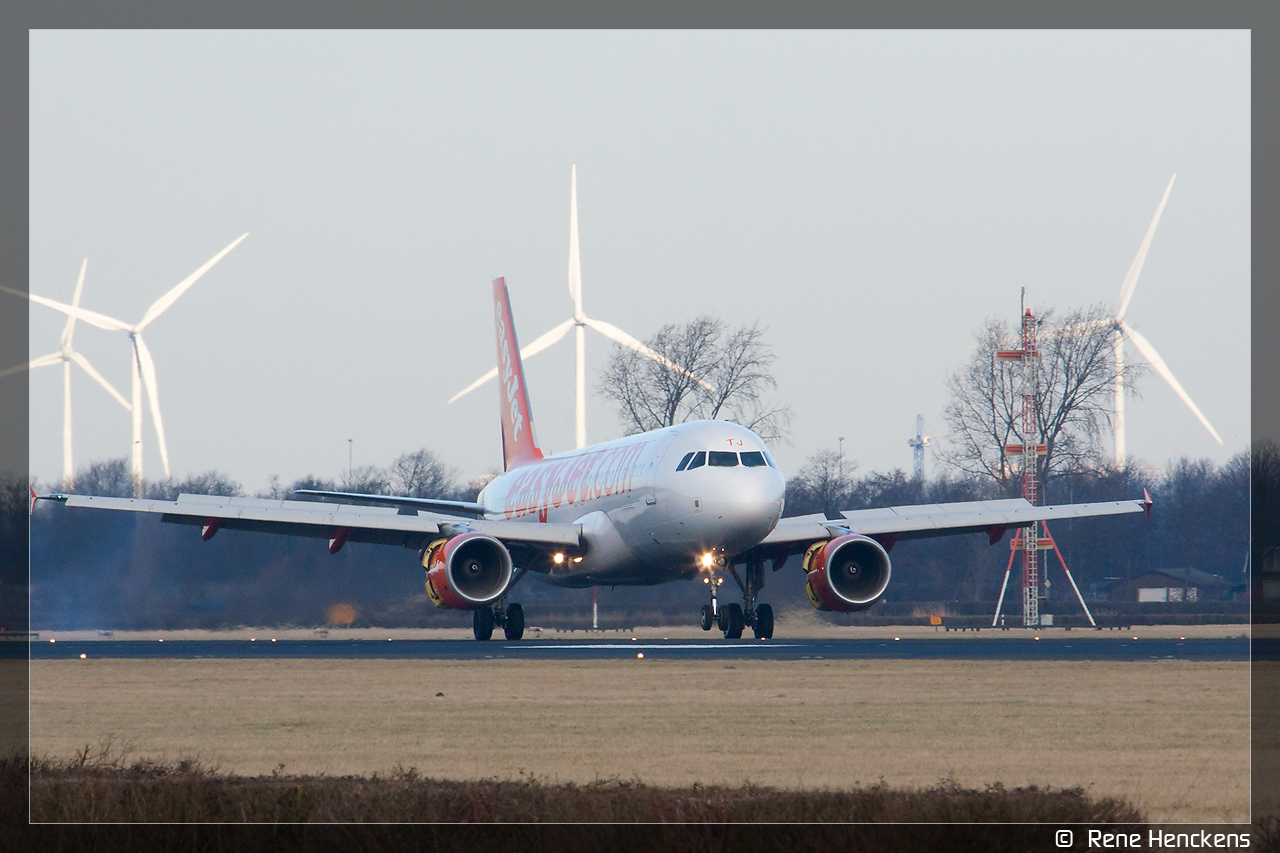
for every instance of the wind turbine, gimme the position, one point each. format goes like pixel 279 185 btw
pixel 579 321
pixel 144 369
pixel 1123 330
pixel 67 354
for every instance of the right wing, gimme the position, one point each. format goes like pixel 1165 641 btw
pixel 339 523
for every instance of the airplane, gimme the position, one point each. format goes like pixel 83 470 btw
pixel 686 502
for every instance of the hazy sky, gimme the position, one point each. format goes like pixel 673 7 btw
pixel 870 197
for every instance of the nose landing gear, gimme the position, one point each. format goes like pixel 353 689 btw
pixel 733 618
pixel 509 618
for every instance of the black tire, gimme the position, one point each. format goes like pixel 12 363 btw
pixel 707 619
pixel 764 622
pixel 482 623
pixel 513 628
pixel 732 621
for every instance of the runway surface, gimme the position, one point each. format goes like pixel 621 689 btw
pixel 959 648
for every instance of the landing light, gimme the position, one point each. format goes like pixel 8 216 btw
pixel 559 558
pixel 707 559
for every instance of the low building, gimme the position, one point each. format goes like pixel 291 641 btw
pixel 1174 586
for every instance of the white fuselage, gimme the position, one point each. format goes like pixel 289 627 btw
pixel 643 521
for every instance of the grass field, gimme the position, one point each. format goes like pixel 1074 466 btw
pixel 1171 738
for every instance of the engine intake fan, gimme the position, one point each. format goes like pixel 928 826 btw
pixel 846 574
pixel 466 572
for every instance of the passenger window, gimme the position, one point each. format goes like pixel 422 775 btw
pixel 685 461
pixel 699 459
pixel 753 459
pixel 722 459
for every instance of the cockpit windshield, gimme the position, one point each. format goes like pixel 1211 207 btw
pixel 725 459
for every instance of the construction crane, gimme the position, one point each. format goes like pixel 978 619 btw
pixel 917 444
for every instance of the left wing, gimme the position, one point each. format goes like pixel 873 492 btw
pixel 339 523
pixel 916 522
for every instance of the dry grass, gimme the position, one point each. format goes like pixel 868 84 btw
pixel 1171 738
pixel 105 789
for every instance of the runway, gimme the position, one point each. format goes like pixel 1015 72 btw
pixel 1010 648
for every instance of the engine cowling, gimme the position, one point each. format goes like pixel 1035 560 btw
pixel 846 574
pixel 466 572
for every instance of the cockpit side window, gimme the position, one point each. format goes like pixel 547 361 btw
pixel 699 459
pixel 685 461
pixel 769 459
pixel 722 459
pixel 753 459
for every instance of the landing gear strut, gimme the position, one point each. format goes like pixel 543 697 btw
pixel 510 618
pixel 732 618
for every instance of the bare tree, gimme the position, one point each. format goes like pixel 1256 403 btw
pixel 111 478
pixel 734 365
pixel 823 484
pixel 208 483
pixel 1074 397
pixel 422 474
pixel 367 480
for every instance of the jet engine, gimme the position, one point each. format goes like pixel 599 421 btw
pixel 466 572
pixel 846 574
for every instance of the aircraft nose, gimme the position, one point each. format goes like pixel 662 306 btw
pixel 750 506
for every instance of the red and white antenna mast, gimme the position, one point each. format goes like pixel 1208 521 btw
pixel 1028 539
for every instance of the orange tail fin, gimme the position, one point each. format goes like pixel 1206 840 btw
pixel 519 446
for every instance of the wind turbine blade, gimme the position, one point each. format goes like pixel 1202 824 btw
pixel 153 397
pixel 575 260
pixel 70 328
pixel 42 361
pixel 534 348
pixel 93 318
pixel 539 344
pixel 160 305
pixel 492 374
pixel 1149 353
pixel 88 368
pixel 613 332
pixel 1135 269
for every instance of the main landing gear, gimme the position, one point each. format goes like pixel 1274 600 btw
pixel 509 618
pixel 732 618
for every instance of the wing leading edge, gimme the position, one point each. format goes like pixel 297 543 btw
pixel 339 523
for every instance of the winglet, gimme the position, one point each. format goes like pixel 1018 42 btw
pixel 1146 503
pixel 519 446
pixel 34 498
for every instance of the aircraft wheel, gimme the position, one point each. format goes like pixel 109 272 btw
pixel 708 618
pixel 482 623
pixel 513 628
pixel 764 622
pixel 732 621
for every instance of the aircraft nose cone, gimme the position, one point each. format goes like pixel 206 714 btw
pixel 749 506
